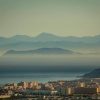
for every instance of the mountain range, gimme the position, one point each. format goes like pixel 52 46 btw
pixel 41 51
pixel 48 40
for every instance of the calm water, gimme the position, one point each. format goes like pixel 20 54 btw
pixel 40 77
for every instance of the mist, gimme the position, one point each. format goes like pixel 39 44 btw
pixel 49 63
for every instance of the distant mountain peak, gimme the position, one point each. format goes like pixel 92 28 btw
pixel 45 34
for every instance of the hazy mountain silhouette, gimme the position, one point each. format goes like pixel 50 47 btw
pixel 41 51
pixel 47 37
pixel 48 40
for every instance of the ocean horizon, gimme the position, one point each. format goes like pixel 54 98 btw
pixel 38 76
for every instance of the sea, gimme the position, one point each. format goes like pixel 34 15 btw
pixel 39 77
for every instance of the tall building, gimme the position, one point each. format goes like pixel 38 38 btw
pixel 82 84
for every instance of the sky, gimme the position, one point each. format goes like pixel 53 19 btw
pixel 61 17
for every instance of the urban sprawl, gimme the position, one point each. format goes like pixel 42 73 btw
pixel 81 89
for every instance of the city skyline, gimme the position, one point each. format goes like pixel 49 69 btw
pixel 64 18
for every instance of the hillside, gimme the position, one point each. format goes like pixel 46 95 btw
pixel 93 74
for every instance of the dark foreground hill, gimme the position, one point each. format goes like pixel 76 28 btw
pixel 93 74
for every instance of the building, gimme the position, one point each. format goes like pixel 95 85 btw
pixel 83 90
pixel 66 91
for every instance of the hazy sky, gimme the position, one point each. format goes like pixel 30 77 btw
pixel 62 17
